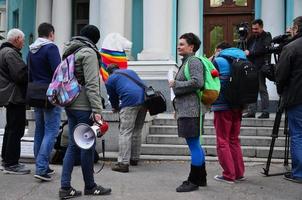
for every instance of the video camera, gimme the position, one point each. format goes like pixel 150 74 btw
pixel 278 43
pixel 243 30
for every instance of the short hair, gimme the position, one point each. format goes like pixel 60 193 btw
pixel 13 34
pixel 192 39
pixel 223 45
pixel 258 21
pixel 298 22
pixel 111 68
pixel 45 29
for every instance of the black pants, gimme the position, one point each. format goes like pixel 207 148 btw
pixel 14 131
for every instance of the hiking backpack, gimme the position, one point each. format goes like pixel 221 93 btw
pixel 243 85
pixel 210 91
pixel 64 87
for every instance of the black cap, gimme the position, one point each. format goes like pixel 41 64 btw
pixel 91 32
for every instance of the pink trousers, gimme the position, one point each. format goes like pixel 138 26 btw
pixel 227 125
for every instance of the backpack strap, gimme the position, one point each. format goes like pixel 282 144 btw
pixel 198 93
pixel 133 79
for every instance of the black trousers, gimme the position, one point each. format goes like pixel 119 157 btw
pixel 14 131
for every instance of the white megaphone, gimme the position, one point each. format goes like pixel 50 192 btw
pixel 85 135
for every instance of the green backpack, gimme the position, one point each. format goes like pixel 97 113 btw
pixel 211 89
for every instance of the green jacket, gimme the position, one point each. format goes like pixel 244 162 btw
pixel 87 73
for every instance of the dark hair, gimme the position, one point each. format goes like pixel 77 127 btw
pixel 45 29
pixel 192 39
pixel 298 22
pixel 223 45
pixel 111 68
pixel 258 21
pixel 91 32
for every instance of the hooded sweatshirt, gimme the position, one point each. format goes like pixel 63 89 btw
pixel 223 66
pixel 43 59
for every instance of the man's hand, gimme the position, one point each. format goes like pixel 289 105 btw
pixel 247 52
pixel 96 117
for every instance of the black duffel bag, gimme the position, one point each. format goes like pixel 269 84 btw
pixel 36 95
pixel 155 101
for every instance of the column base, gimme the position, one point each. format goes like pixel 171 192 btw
pixel 148 55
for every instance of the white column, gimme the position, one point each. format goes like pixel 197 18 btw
pixel 128 20
pixel 94 16
pixel 188 17
pixel 61 20
pixel 43 12
pixel 297 8
pixel 277 19
pixel 112 17
pixel 157 30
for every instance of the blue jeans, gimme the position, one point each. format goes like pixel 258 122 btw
pixel 295 130
pixel 47 128
pixel 87 156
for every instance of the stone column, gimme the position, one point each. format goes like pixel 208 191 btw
pixel 157 30
pixel 112 17
pixel 62 22
pixel 188 17
pixel 43 12
pixel 279 23
pixel 94 16
pixel 297 8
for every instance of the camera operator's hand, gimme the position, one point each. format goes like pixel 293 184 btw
pixel 247 52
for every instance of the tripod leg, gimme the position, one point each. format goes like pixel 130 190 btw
pixel 275 132
pixel 286 133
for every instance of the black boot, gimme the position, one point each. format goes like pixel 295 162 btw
pixel 203 175
pixel 198 175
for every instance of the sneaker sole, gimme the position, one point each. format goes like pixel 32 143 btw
pixel 42 178
pixel 51 173
pixel 15 173
pixel 293 180
pixel 223 180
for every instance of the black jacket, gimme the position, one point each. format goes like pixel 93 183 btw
pixel 257 48
pixel 13 75
pixel 289 73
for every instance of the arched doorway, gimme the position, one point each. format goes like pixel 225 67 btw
pixel 221 18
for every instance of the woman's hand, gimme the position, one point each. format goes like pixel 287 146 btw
pixel 171 83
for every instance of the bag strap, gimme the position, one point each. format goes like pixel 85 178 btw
pixel 133 79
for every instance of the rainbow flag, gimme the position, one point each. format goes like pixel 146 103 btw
pixel 109 57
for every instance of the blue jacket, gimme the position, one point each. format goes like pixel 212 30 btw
pixel 223 66
pixel 122 91
pixel 43 62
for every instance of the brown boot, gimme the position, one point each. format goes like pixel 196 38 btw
pixel 120 167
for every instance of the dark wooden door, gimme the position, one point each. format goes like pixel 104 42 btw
pixel 221 20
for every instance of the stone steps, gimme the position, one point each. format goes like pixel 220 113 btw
pixel 211 140
pixel 210 130
pixel 255 138
pixel 210 150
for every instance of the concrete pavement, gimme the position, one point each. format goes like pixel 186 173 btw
pixel 156 180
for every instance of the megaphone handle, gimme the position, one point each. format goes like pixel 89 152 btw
pixel 95 120
pixel 103 149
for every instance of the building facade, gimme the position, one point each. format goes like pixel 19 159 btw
pixel 153 25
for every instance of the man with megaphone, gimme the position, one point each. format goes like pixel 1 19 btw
pixel 87 104
pixel 127 97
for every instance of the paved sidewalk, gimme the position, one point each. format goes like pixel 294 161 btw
pixel 156 180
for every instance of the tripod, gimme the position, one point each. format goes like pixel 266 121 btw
pixel 242 44
pixel 274 135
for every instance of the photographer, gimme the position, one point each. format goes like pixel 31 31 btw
pixel 257 54
pixel 289 83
